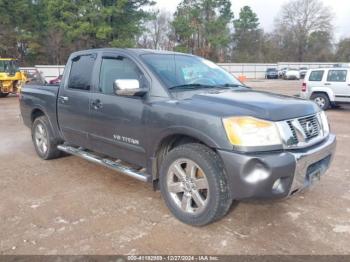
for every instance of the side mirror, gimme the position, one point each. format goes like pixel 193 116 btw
pixel 128 87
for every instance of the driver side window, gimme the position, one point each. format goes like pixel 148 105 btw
pixel 117 68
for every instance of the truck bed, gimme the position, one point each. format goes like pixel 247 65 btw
pixel 40 97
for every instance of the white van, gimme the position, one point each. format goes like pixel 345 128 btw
pixel 327 86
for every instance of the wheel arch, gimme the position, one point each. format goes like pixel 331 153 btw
pixel 172 140
pixel 38 112
pixel 325 91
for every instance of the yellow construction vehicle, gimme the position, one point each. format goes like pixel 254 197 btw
pixel 11 78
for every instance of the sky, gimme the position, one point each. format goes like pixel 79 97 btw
pixel 268 9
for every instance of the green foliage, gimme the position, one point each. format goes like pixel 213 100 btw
pixel 247 36
pixel 248 21
pixel 46 31
pixel 343 51
pixel 202 27
pixel 319 47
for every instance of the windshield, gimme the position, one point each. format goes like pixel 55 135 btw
pixel 8 66
pixel 189 71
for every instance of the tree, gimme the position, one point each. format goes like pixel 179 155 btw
pixel 299 19
pixel 320 47
pixel 247 37
pixel 20 26
pixel 271 50
pixel 202 27
pixel 46 31
pixel 187 26
pixel 158 33
pixel 343 50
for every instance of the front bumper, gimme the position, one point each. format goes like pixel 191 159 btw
pixel 272 76
pixel 276 174
pixel 304 95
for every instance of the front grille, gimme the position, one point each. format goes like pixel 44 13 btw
pixel 315 126
pixel 310 126
pixel 294 139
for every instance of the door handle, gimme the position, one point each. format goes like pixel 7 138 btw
pixel 96 104
pixel 327 84
pixel 63 99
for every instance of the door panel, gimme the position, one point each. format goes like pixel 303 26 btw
pixel 338 80
pixel 117 127
pixel 73 103
pixel 117 121
pixel 74 116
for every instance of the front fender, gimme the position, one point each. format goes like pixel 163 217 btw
pixel 182 130
pixel 326 90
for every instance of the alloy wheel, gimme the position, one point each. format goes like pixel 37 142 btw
pixel 41 139
pixel 320 101
pixel 188 186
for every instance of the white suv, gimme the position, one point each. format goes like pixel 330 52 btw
pixel 327 86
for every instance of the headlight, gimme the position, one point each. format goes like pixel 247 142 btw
pixel 325 125
pixel 251 132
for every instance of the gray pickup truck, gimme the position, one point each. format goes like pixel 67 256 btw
pixel 183 124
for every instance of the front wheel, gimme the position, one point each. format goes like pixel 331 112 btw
pixel 194 185
pixel 321 100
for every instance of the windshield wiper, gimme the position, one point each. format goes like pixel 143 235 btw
pixel 232 85
pixel 191 86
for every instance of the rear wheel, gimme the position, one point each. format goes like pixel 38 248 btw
pixel 44 141
pixel 321 100
pixel 194 185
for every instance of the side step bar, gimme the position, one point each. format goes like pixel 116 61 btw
pixel 115 165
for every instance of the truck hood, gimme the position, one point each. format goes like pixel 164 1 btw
pixel 258 104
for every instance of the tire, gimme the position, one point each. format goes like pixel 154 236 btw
pixel 3 94
pixel 208 186
pixel 321 100
pixel 43 139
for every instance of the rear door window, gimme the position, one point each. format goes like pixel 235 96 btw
pixel 81 72
pixel 316 75
pixel 337 75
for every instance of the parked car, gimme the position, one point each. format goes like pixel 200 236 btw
pixel 56 81
pixel 303 71
pixel 342 65
pixel 271 73
pixel 34 77
pixel 282 72
pixel 183 124
pixel 292 74
pixel 327 86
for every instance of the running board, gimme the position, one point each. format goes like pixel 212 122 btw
pixel 115 165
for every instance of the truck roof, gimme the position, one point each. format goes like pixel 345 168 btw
pixel 133 51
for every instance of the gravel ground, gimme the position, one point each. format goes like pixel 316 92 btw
pixel 71 206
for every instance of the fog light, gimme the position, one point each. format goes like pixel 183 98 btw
pixel 259 174
pixel 277 186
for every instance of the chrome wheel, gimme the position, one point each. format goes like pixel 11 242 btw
pixel 320 101
pixel 188 186
pixel 41 138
